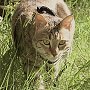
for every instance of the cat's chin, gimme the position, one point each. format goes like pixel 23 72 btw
pixel 57 57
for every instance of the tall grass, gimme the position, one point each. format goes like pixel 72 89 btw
pixel 77 74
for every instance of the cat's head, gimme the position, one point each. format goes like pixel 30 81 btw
pixel 49 39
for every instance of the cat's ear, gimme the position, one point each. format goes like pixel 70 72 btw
pixel 66 22
pixel 40 21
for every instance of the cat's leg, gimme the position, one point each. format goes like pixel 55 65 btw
pixel 54 71
pixel 41 84
pixel 38 80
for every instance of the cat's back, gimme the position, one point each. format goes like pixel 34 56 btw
pixel 29 6
pixel 33 4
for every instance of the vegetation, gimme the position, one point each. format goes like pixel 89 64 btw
pixel 77 74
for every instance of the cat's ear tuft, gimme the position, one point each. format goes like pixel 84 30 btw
pixel 40 21
pixel 66 22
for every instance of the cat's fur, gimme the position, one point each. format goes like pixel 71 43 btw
pixel 42 37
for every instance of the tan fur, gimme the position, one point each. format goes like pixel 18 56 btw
pixel 41 37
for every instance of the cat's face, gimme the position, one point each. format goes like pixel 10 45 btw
pixel 51 40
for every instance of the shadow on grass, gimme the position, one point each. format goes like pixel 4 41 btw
pixel 11 73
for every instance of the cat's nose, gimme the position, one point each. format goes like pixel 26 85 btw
pixel 53 51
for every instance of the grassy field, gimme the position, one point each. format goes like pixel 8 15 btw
pixel 77 74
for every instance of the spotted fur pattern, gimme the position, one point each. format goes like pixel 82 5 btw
pixel 41 38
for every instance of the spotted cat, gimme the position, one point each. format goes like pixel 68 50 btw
pixel 42 33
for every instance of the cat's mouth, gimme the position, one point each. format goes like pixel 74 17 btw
pixel 61 55
pixel 56 58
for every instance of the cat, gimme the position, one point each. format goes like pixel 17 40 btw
pixel 42 31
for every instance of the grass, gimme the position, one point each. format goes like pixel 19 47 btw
pixel 77 74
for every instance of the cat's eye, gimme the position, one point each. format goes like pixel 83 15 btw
pixel 46 42
pixel 62 42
